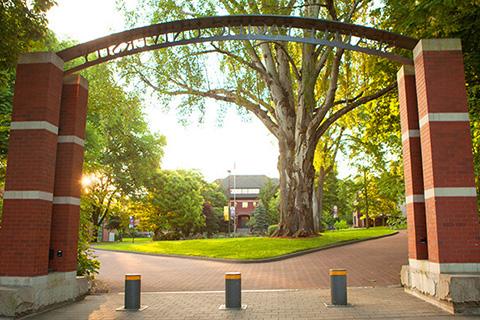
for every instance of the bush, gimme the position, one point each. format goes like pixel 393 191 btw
pixel 397 222
pixel 87 264
pixel 342 224
pixel 272 228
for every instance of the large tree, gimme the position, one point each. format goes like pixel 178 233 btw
pixel 294 89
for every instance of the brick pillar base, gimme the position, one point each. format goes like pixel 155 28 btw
pixel 451 276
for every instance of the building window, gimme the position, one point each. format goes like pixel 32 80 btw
pixel 244 191
pixel 244 204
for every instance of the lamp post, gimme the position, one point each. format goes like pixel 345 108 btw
pixel 234 202
pixel 229 194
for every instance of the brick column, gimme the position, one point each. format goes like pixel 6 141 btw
pixel 66 200
pixel 450 196
pixel 27 207
pixel 412 164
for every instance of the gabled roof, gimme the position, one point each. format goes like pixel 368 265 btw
pixel 245 181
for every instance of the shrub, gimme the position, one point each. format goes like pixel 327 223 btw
pixel 87 264
pixel 397 222
pixel 272 228
pixel 342 224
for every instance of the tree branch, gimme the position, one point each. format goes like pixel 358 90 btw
pixel 334 117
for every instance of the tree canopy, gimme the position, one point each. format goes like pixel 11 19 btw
pixel 297 90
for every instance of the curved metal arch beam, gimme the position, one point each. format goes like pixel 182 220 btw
pixel 157 30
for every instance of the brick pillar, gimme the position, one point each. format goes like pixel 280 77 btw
pixel 66 200
pixel 412 164
pixel 450 196
pixel 27 207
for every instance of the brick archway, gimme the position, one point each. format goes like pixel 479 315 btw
pixel 38 235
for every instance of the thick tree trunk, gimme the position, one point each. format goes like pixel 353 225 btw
pixel 318 201
pixel 296 186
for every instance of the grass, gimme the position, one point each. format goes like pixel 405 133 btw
pixel 250 248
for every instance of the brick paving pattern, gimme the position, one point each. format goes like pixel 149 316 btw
pixel 370 263
pixel 367 303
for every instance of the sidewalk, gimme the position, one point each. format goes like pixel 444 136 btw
pixel 367 303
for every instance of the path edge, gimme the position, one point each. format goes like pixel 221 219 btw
pixel 263 260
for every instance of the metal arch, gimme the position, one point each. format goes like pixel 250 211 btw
pixel 238 27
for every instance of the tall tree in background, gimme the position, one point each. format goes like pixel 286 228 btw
pixel 294 89
pixel 121 154
pixel 324 163
pixel 444 19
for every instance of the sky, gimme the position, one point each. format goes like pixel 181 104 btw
pixel 242 145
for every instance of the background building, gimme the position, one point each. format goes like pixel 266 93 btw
pixel 243 193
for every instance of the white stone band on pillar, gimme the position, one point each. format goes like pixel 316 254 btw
pixel 450 192
pixel 71 139
pixel 410 134
pixel 66 200
pixel 437 45
pixel 415 198
pixel 435 267
pixel 28 195
pixel 75 79
pixel 444 117
pixel 41 57
pixel 34 125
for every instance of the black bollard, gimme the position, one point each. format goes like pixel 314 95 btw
pixel 233 290
pixel 132 291
pixel 338 287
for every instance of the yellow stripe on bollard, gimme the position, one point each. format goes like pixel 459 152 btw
pixel 133 277
pixel 338 272
pixel 233 276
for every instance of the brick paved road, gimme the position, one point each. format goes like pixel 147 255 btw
pixel 367 304
pixel 370 263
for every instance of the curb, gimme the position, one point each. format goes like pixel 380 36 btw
pixel 245 261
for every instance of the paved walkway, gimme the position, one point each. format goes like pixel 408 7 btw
pixel 369 263
pixel 367 303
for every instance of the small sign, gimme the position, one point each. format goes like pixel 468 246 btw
pixel 226 216
pixel 232 212
pixel 131 225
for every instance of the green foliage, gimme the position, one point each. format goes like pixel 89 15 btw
pixel 119 144
pixel 121 153
pixel 212 221
pixel 273 208
pixel 259 222
pixel 272 229
pixel 23 25
pixel 424 19
pixel 340 225
pixel 269 200
pixel 397 221
pixel 87 264
pixel 174 204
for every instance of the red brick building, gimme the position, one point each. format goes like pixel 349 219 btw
pixel 242 192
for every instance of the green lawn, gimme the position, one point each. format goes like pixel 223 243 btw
pixel 242 248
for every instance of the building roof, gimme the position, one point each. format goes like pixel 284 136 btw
pixel 244 182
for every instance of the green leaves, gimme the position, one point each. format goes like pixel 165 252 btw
pixel 174 203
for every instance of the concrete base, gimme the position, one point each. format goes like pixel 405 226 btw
pixel 24 295
pixel 457 293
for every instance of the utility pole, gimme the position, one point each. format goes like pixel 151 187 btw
pixel 234 201
pixel 366 196
pixel 229 195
